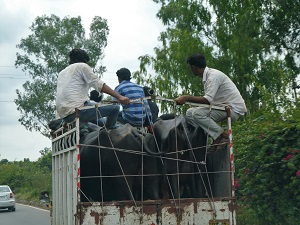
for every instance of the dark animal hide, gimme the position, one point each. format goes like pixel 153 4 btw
pixel 104 167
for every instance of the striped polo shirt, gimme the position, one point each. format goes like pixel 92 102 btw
pixel 134 113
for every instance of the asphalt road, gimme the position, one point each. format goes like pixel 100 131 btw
pixel 25 215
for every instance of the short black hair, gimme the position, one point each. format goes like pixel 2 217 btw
pixel 148 91
pixel 197 60
pixel 95 96
pixel 124 74
pixel 78 55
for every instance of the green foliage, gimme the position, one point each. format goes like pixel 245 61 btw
pixel 28 179
pixel 235 37
pixel 181 38
pixel 45 161
pixel 3 161
pixel 267 164
pixel 44 54
pixel 283 18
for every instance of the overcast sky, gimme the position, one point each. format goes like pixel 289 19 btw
pixel 134 30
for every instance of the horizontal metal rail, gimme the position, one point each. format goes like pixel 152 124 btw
pixel 140 100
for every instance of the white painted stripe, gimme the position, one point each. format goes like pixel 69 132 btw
pixel 46 210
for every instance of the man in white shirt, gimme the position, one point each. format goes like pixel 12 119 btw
pixel 73 84
pixel 218 90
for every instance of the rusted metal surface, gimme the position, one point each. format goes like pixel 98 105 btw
pixel 158 212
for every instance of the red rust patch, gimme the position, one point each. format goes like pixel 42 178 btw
pixel 96 216
pixel 149 210
pixel 232 206
pixel 172 210
pixel 121 211
pixel 195 207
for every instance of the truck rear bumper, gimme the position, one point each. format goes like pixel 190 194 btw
pixel 183 211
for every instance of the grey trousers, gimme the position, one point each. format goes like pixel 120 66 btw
pixel 207 119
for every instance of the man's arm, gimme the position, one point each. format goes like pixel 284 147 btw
pixel 106 89
pixel 188 98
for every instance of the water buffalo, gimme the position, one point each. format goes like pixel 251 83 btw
pixel 177 138
pixel 108 156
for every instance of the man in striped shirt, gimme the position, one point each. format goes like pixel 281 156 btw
pixel 137 114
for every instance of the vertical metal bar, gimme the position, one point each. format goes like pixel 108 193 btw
pixel 63 192
pixel 54 191
pixel 232 168
pixel 59 191
pixel 78 160
pixel 69 185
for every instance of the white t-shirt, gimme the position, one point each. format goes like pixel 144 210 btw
pixel 73 84
pixel 219 89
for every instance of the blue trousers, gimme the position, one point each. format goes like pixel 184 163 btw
pixel 96 115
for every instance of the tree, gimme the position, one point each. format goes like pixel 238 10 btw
pixel 3 161
pixel 283 29
pixel 44 54
pixel 45 161
pixel 232 35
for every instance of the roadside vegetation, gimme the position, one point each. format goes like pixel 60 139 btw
pixel 28 179
pixel 267 163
